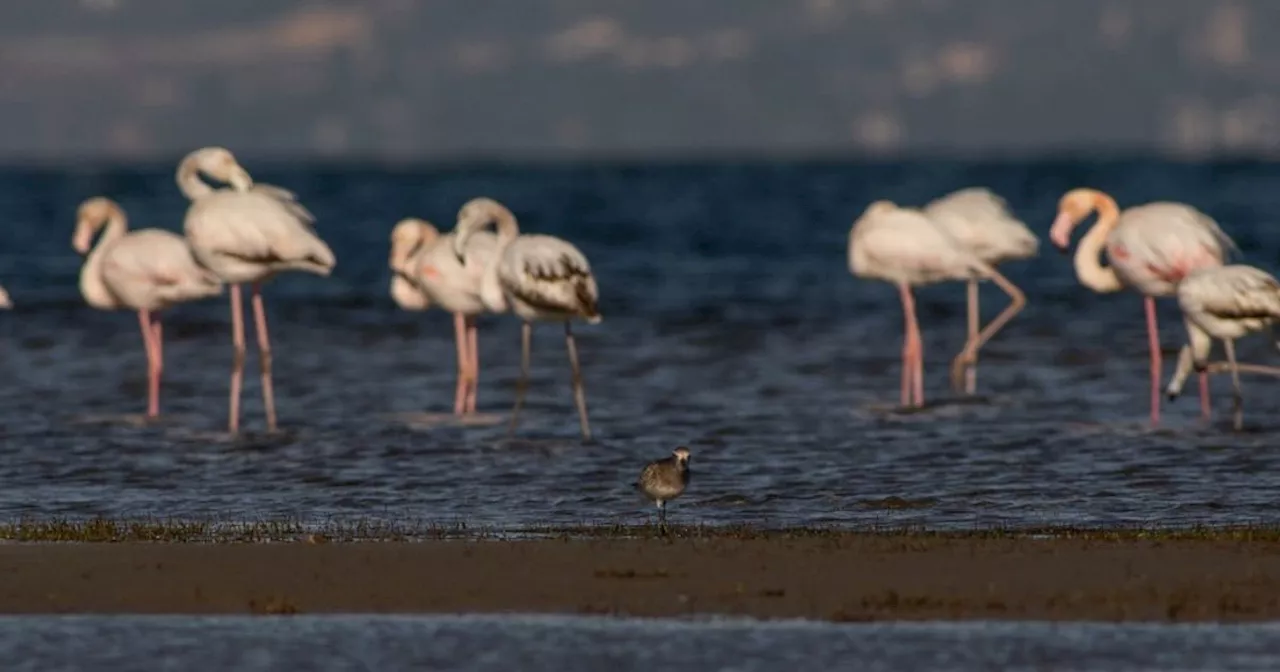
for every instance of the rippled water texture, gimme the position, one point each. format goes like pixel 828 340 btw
pixel 731 325
pixel 247 644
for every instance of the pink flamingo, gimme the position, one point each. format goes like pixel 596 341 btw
pixel 1151 248
pixel 247 234
pixel 146 270
pixel 1226 303
pixel 905 247
pixel 981 222
pixel 425 261
pixel 539 278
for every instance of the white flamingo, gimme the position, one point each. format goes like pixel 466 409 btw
pixel 247 234
pixel 540 278
pixel 1151 248
pixel 905 247
pixel 426 263
pixel 981 222
pixel 146 270
pixel 1225 303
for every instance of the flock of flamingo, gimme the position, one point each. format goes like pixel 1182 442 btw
pixel 246 233
pixel 1157 249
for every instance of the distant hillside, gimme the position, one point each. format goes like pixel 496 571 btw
pixel 438 79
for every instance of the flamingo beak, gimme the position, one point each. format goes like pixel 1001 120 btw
pixel 83 238
pixel 240 180
pixel 1060 232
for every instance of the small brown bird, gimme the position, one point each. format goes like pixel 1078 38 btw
pixel 664 480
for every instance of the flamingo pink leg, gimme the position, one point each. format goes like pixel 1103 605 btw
pixel 1206 412
pixel 912 353
pixel 473 349
pixel 264 356
pixel 460 337
pixel 1153 341
pixel 151 339
pixel 237 362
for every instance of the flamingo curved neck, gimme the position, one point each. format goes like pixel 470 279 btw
pixel 189 180
pixel 1088 259
pixel 92 286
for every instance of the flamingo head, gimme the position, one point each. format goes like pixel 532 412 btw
pixel 90 218
pixel 408 235
pixel 880 207
pixel 1073 207
pixel 220 164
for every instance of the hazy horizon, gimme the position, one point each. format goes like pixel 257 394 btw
pixel 451 81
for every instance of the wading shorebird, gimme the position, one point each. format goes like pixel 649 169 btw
pixel 664 480
pixel 1151 248
pixel 5 303
pixel 981 222
pixel 146 270
pixel 424 259
pixel 539 278
pixel 1225 303
pixel 248 233
pixel 905 247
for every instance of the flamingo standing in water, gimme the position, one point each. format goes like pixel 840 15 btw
pixel 540 278
pixel 905 247
pixel 1225 303
pixel 1151 248
pixel 248 233
pixel 146 270
pixel 427 263
pixel 981 222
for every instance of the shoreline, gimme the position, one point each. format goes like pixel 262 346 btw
pixel 841 577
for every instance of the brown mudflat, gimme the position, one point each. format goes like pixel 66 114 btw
pixel 846 577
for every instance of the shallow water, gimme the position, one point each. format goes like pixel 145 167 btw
pixel 732 325
pixel 247 644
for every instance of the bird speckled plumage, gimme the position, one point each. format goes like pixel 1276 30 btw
pixel 664 480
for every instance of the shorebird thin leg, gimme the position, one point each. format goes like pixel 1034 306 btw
pixel 579 394
pixel 1017 301
pixel 149 335
pixel 264 356
pixel 460 339
pixel 1237 398
pixel 237 361
pixel 522 385
pixel 473 363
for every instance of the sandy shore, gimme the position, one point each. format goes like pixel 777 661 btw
pixel 851 578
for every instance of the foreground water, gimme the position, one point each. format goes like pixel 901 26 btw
pixel 567 644
pixel 732 326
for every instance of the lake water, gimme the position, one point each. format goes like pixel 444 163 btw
pixel 571 644
pixel 732 325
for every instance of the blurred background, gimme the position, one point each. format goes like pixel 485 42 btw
pixel 709 158
pixel 414 80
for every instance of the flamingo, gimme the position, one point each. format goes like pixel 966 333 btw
pixel 905 247
pixel 981 222
pixel 1225 303
pixel 247 234
pixel 1151 248
pixel 146 270
pixel 540 278
pixel 427 262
